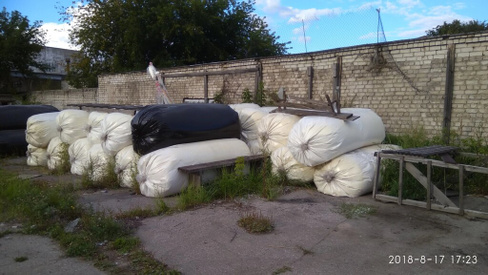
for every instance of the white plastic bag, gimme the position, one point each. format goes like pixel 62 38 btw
pixel 36 156
pixel 239 106
pixel 316 139
pixel 94 127
pixel 71 125
pixel 273 130
pixel 56 150
pixel 99 163
pixel 249 118
pixel 126 166
pixel 349 175
pixel 284 162
pixel 40 129
pixel 116 132
pixel 158 173
pixel 79 156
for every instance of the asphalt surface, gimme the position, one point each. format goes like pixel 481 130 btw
pixel 311 236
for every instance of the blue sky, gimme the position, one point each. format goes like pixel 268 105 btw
pixel 310 25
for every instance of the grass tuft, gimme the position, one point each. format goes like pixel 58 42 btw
pixel 256 223
pixel 351 210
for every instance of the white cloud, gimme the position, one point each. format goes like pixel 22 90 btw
pixel 57 35
pixel 313 14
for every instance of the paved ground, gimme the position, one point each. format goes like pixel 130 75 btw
pixel 311 236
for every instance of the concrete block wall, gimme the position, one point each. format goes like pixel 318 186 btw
pixel 403 81
pixel 61 98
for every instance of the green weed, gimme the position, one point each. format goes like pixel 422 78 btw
pixel 257 223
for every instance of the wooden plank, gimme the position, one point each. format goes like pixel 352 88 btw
pixel 429 185
pixel 239 71
pixel 377 175
pixel 217 164
pixel 461 190
pixel 413 159
pixel 437 207
pixel 310 81
pixel 343 116
pixel 400 181
pixel 448 91
pixel 423 180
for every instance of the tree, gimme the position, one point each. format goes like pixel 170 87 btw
pixel 20 43
pixel 457 26
pixel 124 35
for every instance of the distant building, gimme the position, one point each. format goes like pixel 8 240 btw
pixel 59 61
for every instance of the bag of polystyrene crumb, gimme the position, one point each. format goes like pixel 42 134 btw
pixel 126 166
pixel 56 152
pixel 116 132
pixel 268 109
pixel 94 127
pixel 249 118
pixel 316 139
pixel 71 125
pixel 254 146
pixel 79 157
pixel 36 156
pixel 239 106
pixel 40 129
pixel 273 130
pixel 100 163
pixel 351 174
pixel 158 173
pixel 282 161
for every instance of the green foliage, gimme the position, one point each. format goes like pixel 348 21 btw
pixel 20 43
pixel 64 166
pixel 124 35
pixel 125 244
pixel 457 26
pixel 239 182
pixel 247 96
pixel 443 178
pixel 257 223
pixel 108 179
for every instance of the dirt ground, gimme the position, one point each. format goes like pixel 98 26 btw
pixel 311 236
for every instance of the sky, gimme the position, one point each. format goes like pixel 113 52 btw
pixel 311 25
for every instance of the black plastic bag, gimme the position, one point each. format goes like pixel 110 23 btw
pixel 159 126
pixel 15 116
pixel 12 142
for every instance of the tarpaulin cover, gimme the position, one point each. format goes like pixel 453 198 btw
pixel 158 173
pixel 36 156
pixel 79 156
pixel 72 125
pixel 41 128
pixel 116 132
pixel 13 142
pixel 15 116
pixel 159 126
pixel 315 140
pixel 351 174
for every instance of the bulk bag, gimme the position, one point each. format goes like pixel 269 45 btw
pixel 94 127
pixel 99 163
pixel 273 130
pixel 159 126
pixel 41 128
pixel 71 125
pixel 12 142
pixel 126 166
pixel 282 161
pixel 158 173
pixel 79 156
pixel 36 156
pixel 349 175
pixel 116 132
pixel 56 152
pixel 315 140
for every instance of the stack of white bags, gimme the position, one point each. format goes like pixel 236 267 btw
pixel 337 155
pixel 93 140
